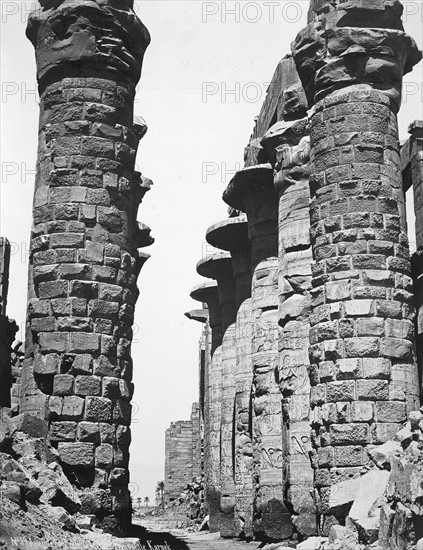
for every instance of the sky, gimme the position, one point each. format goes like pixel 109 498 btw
pixel 204 79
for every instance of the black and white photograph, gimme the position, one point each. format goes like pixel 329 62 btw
pixel 211 275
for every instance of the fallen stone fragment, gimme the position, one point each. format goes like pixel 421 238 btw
pixel 382 454
pixel 12 491
pixel 60 515
pixel 313 543
pixel 342 495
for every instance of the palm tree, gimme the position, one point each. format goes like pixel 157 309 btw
pixel 139 502
pixel 160 487
pixel 146 501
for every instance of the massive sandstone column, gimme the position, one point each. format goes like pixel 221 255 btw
pixel 252 191
pixel 351 59
pixel 287 144
pixel 219 267
pixel 232 235
pixel 208 293
pixel 412 173
pixel 84 261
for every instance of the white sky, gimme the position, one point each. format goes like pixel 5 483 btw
pixel 194 144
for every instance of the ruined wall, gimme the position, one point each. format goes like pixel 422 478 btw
pixel 8 328
pixel 178 463
pixel 84 261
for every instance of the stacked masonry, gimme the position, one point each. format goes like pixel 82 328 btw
pixel 324 360
pixel 84 259
pixel 363 369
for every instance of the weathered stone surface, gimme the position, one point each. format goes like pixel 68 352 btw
pixel 77 454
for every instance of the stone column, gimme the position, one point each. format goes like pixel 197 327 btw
pixel 208 293
pixel 83 252
pixel 351 59
pixel 232 235
pixel 288 147
pixel 412 172
pixel 219 267
pixel 252 191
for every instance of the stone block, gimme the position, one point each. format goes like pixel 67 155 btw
pixel 123 435
pixel 349 434
pixel 374 326
pixel 358 308
pixel 104 456
pixel 348 456
pixel 81 364
pixel 63 384
pixel 337 291
pixel 340 391
pixel 110 293
pixel 84 342
pixel 89 431
pixel 73 407
pixel 122 412
pixel 43 324
pixel 348 368
pixel 52 289
pixel 93 253
pixel 87 385
pixel 108 433
pixel 53 341
pixel 396 348
pixel 103 309
pixel 390 411
pixel 376 368
pixel 98 409
pixel 63 431
pixel 67 240
pixel 46 364
pixel 55 405
pixel 75 324
pixel 362 347
pixel 77 454
pixel 361 411
pixel 104 366
pixel 373 390
pixel 84 289
pixel 110 387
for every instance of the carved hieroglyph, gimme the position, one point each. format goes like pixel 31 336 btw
pixel 252 191
pixel 84 261
pixel 351 59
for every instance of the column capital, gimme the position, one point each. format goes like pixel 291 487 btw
pixel 200 315
pixel 252 191
pixel 354 42
pixel 87 39
pixel 230 234
pixel 207 293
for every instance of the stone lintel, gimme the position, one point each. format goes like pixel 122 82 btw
pixel 200 315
